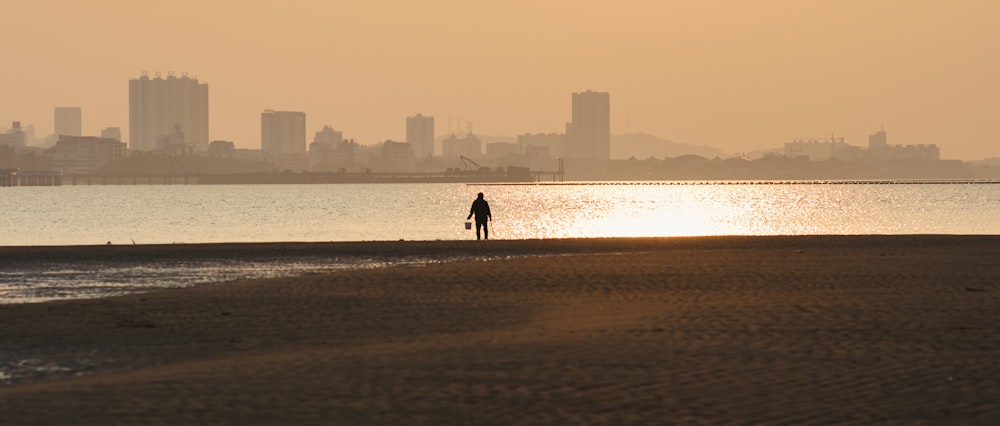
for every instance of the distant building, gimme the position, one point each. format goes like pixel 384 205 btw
pixel 498 152
pixel 328 136
pixel 287 161
pixel 29 134
pixel 174 143
pixel 533 153
pixel 283 132
pixel 469 146
pixel 878 150
pixel 397 156
pixel 248 154
pixel 878 140
pixel 814 149
pixel 84 154
pixel 68 121
pixel 420 134
pixel 14 137
pixel 221 149
pixel 349 152
pixel 324 147
pixel 552 143
pixel 589 134
pixel 157 106
pixel 112 133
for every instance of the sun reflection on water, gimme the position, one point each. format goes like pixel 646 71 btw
pixel 644 210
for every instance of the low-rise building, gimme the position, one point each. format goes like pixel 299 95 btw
pixel 112 133
pixel 221 149
pixel 554 143
pixel 84 154
pixel 324 147
pixel 878 150
pixel 13 137
pixel 815 150
pixel 503 152
pixel 397 156
pixel 469 146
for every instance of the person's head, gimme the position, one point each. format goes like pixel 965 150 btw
pixel 480 195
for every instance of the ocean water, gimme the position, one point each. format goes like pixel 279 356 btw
pixel 83 215
pixel 88 215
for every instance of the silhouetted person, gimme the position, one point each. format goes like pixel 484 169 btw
pixel 481 209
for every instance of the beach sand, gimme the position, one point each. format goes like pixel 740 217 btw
pixel 718 330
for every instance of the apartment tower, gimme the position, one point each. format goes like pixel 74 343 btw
pixel 589 134
pixel 68 121
pixel 282 132
pixel 160 106
pixel 420 135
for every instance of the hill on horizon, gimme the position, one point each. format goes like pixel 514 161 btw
pixel 643 146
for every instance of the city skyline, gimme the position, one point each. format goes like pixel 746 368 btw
pixel 736 76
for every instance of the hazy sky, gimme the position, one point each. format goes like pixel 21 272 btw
pixel 735 74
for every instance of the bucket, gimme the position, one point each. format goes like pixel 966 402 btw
pixel 468 225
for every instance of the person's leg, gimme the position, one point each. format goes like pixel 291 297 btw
pixel 486 231
pixel 478 226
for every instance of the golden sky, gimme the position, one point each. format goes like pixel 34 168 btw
pixel 739 75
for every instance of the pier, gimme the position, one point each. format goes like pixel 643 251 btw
pixel 84 180
pixel 556 176
pixel 476 176
pixel 17 177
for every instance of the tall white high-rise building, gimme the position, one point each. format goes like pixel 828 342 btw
pixel 282 132
pixel 420 135
pixel 157 106
pixel 589 134
pixel 68 121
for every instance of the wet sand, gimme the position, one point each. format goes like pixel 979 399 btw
pixel 786 330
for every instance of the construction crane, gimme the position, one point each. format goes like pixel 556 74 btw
pixel 467 161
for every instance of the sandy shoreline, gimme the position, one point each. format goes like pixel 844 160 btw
pixel 794 330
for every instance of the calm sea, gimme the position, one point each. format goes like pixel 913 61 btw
pixel 75 215
pixel 86 215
